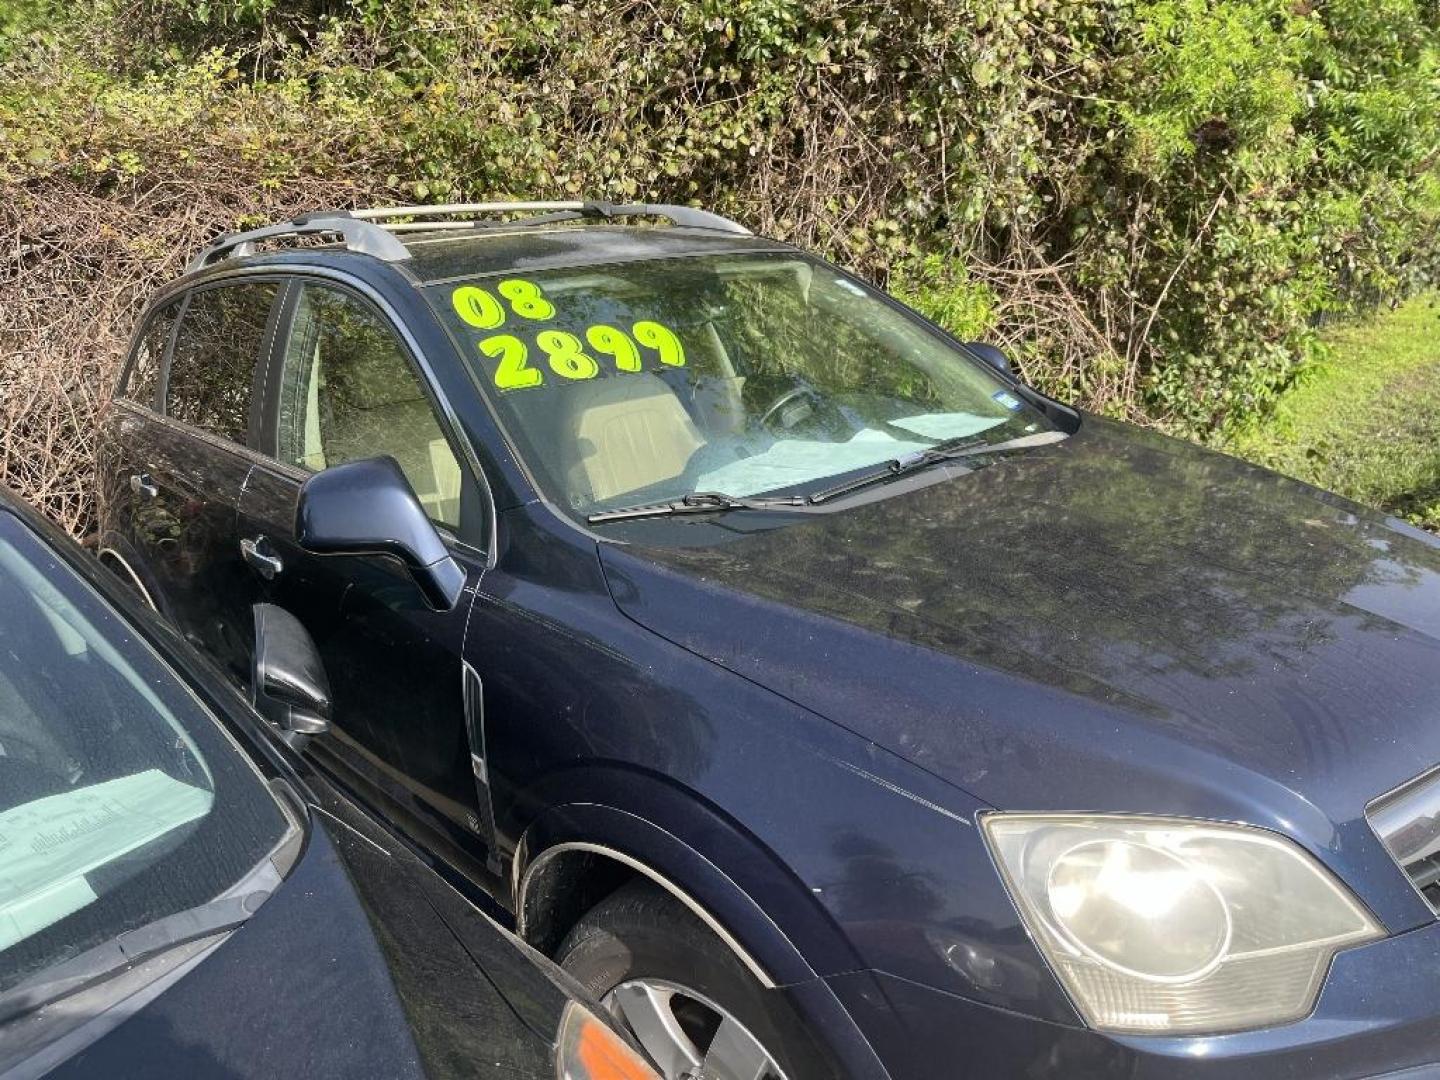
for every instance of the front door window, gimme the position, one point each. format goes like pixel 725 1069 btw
pixel 350 392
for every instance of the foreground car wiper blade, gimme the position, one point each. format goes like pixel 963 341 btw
pixel 949 450
pixel 124 951
pixel 698 502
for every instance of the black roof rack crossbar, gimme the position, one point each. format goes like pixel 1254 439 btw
pixel 361 236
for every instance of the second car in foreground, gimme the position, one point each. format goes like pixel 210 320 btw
pixel 181 897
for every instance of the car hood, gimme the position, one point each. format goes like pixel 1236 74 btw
pixel 1119 621
pixel 301 989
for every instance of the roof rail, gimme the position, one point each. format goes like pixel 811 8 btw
pixel 683 216
pixel 358 235
pixel 372 232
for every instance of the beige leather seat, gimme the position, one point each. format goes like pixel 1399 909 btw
pixel 364 409
pixel 625 432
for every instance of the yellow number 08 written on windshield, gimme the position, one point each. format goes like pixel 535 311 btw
pixel 566 356
pixel 478 307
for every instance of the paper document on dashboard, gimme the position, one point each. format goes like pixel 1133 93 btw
pixel 48 846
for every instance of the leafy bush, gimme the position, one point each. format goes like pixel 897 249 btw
pixel 1152 203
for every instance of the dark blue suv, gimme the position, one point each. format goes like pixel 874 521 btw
pixel 825 699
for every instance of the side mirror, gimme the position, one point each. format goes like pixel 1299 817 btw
pixel 367 507
pixel 992 356
pixel 288 685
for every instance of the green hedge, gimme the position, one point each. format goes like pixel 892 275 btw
pixel 1152 202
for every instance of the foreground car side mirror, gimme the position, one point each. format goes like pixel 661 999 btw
pixel 992 355
pixel 367 507
pixel 288 685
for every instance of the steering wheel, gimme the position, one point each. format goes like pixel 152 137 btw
pixel 795 393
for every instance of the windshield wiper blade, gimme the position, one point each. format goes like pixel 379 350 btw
pixel 709 502
pixel 949 450
pixel 124 951
pixel 697 502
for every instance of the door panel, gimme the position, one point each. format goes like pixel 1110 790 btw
pixel 184 511
pixel 310 587
pixel 189 467
pixel 345 388
pixel 123 504
pixel 394 664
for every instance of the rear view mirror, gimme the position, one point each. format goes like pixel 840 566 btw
pixel 992 356
pixel 288 685
pixel 367 507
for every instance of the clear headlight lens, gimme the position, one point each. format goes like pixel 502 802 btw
pixel 588 1049
pixel 1166 926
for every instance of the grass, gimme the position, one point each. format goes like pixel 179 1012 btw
pixel 1365 422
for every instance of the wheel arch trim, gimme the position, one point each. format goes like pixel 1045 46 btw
pixel 524 880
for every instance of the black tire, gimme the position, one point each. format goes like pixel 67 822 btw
pixel 641 932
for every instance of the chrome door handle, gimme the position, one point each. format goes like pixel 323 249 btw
pixel 267 564
pixel 141 484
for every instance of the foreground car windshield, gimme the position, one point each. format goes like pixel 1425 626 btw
pixel 121 800
pixel 742 375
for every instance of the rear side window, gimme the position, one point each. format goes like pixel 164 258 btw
pixel 213 360
pixel 142 378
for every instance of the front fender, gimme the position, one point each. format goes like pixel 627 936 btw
pixel 716 886
pixel 706 862
pixel 819 865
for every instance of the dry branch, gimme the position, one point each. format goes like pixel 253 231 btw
pixel 76 272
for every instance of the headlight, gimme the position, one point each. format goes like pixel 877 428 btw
pixel 588 1049
pixel 1166 926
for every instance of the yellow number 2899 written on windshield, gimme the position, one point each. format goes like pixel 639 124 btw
pixel 565 354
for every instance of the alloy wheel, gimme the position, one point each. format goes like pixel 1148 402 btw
pixel 688 1036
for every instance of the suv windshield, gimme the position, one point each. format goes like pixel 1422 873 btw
pixel 122 800
pixel 740 374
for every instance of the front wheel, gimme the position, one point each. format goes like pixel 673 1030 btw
pixel 688 999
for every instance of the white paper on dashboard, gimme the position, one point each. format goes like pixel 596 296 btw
pixel 788 462
pixel 948 425
pixel 48 846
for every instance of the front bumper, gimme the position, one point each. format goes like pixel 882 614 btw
pixel 1378 1014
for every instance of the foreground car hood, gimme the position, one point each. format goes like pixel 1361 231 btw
pixel 1120 621
pixel 301 989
